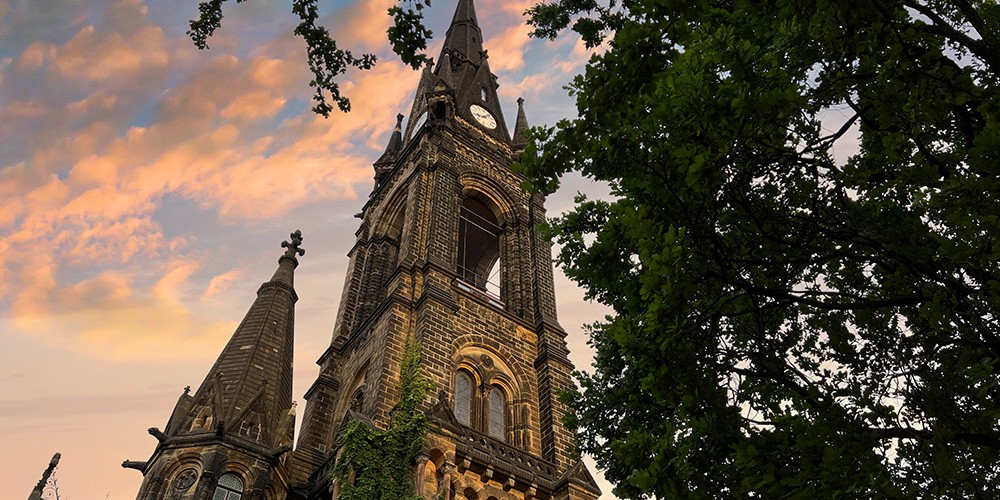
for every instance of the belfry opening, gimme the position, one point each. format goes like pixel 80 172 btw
pixel 479 247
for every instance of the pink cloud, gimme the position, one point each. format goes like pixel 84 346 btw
pixel 112 320
pixel 108 290
pixel 111 58
pixel 35 56
pixel 222 282
pixel 362 25
pixel 507 49
pixel 90 200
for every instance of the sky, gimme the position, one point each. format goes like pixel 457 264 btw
pixel 145 187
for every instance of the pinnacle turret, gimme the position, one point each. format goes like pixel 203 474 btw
pixel 384 164
pixel 519 140
pixel 395 141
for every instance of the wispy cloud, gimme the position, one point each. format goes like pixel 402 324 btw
pixel 100 128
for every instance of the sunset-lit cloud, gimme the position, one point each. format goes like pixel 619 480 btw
pixel 102 206
pixel 221 282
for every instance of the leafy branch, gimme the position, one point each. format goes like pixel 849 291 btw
pixel 327 61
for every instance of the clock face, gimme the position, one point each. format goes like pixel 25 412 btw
pixel 483 116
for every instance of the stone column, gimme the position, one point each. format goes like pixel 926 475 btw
pixel 447 469
pixel 421 470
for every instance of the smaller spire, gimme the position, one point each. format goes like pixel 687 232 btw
pixel 520 127
pixel 445 70
pixel 46 487
pixel 395 141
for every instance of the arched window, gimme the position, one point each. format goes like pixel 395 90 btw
pixel 498 414
pixel 479 246
pixel 463 397
pixel 230 487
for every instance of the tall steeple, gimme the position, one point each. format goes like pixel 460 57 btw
pixel 462 81
pixel 242 415
pixel 252 378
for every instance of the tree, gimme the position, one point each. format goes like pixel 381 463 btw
pixel 327 61
pixel 786 324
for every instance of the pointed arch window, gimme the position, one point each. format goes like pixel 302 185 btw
pixel 463 397
pixel 498 414
pixel 230 487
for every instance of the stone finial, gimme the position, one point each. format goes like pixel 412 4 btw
pixel 293 247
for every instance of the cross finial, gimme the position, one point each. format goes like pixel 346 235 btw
pixel 293 247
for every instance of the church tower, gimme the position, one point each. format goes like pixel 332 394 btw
pixel 230 440
pixel 448 255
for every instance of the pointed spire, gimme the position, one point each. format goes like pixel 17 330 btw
pixel 383 166
pixel 464 34
pixel 445 69
pixel 519 140
pixel 395 142
pixel 233 395
pixel 46 487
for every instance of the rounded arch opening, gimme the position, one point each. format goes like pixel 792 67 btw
pixel 479 246
pixel 497 416
pixel 465 384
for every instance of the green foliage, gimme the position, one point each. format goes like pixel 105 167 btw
pixel 789 322
pixel 408 35
pixel 327 61
pixel 382 461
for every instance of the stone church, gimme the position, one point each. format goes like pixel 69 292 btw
pixel 447 255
